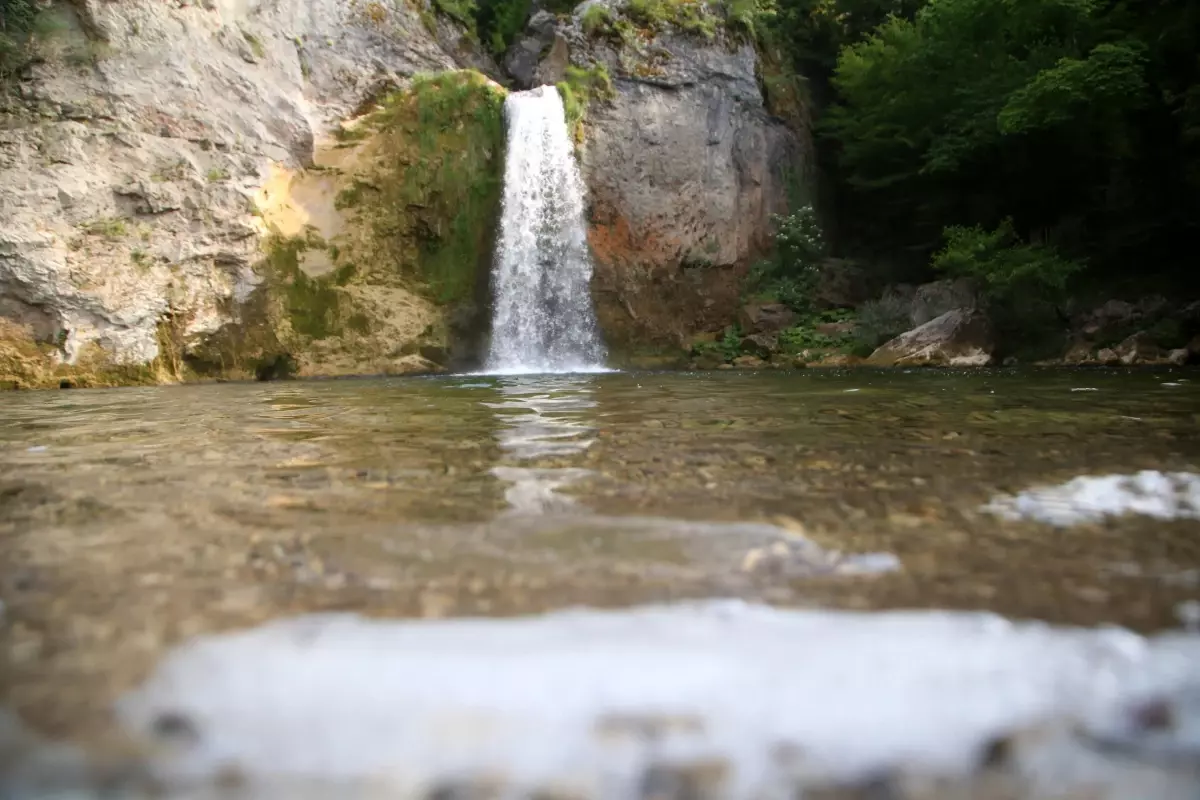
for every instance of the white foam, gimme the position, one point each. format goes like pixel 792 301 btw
pixel 1090 498
pixel 559 697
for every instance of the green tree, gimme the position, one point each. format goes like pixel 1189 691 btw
pixel 1074 118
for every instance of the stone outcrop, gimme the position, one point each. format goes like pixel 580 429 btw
pixel 765 317
pixel 684 163
pixel 182 195
pixel 1138 349
pixel 147 155
pixel 931 300
pixel 958 338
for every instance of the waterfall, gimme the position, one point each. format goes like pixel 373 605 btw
pixel 542 319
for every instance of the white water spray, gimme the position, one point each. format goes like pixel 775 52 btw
pixel 543 320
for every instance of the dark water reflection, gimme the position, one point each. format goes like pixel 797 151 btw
pixel 132 518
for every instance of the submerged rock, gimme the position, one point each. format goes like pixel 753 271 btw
pixel 959 338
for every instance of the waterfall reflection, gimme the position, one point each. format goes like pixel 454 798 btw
pixel 546 419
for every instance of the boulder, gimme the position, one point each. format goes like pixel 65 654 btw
pixel 747 362
pixel 1112 314
pixel 1108 357
pixel 1153 306
pixel 522 59
pixel 1078 352
pixel 760 344
pixel 1178 357
pixel 836 329
pixel 931 300
pixel 757 318
pixel 842 284
pixel 838 360
pixel 959 338
pixel 708 360
pixel 1138 349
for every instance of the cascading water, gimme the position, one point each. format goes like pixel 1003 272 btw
pixel 543 320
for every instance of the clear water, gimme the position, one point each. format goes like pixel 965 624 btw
pixel 543 320
pixel 133 519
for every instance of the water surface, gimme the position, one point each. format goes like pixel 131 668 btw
pixel 131 519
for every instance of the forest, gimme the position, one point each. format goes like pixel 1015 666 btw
pixel 1047 148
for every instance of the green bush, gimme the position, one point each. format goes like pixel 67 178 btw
pixel 791 276
pixel 881 320
pixel 20 21
pixel 1002 264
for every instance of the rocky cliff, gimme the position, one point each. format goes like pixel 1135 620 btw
pixel 233 187
pixel 684 158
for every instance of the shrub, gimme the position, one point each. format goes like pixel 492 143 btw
pixel 1001 263
pixel 791 276
pixel 881 320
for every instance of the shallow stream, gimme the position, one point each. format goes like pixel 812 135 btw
pixel 133 519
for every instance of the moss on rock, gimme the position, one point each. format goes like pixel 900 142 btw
pixel 429 195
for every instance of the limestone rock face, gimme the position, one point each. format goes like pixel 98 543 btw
pixel 137 151
pixel 958 338
pixel 684 164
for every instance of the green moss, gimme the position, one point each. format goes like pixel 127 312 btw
pixel 108 227
pixel 217 174
pixel 596 20
pixel 432 203
pixel 256 45
pixel 690 16
pixel 463 11
pixel 313 306
pixel 580 87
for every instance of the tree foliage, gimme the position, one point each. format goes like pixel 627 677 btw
pixel 1053 126
pixel 1001 263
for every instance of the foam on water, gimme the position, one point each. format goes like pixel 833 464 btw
pixel 569 696
pixel 1090 498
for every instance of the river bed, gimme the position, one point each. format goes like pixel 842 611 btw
pixel 132 520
